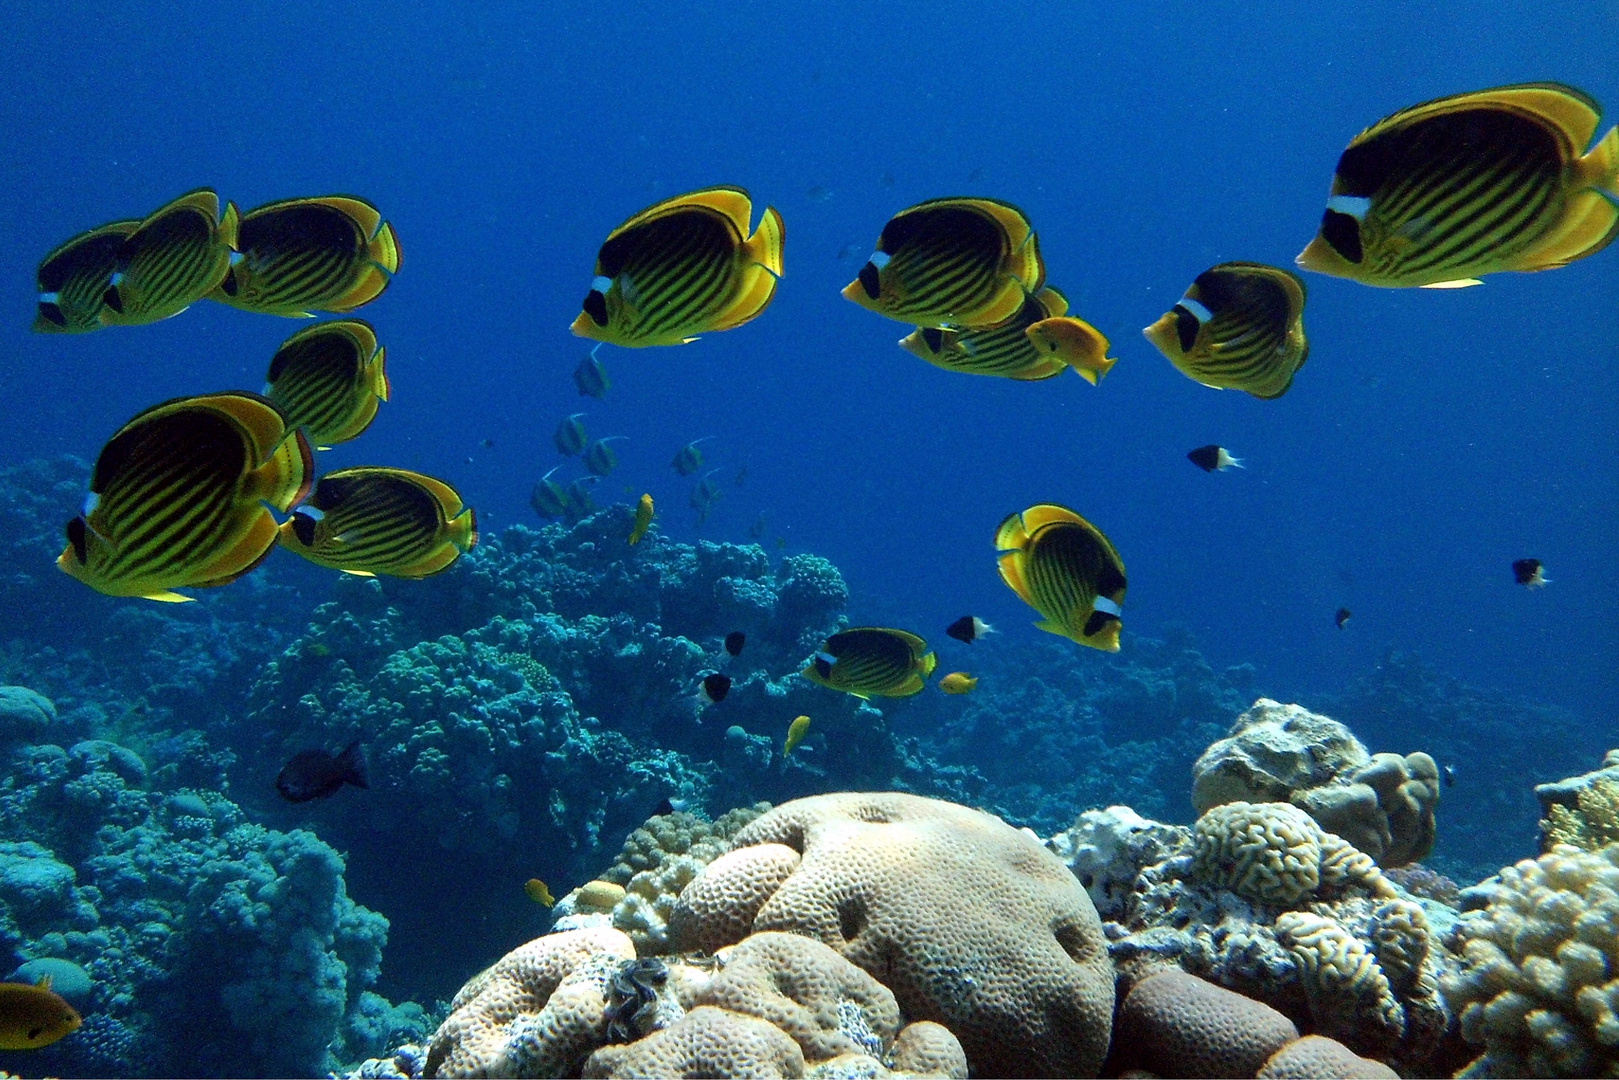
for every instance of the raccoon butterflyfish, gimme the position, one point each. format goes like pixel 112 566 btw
pixel 570 437
pixel 714 687
pixel 600 458
pixel 1011 350
pixel 329 379
pixel 34 1015
pixel 705 495
pixel 872 661
pixel 683 267
pixel 174 258
pixel 956 262
pixel 1341 617
pixel 73 280
pixel 316 774
pixel 968 629
pixel 1444 192
pixel 1239 327
pixel 177 497
pixel 689 458
pixel 957 682
pixel 643 519
pixel 370 521
pixel 539 892
pixel 332 253
pixel 1062 566
pixel 1529 573
pixel 795 734
pixel 1213 458
pixel 591 378
pixel 734 641
pixel 549 498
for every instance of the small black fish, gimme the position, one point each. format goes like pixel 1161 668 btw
pixel 734 642
pixel 715 687
pixel 1450 775
pixel 489 444
pixel 664 808
pixel 315 774
pixel 1530 573
pixel 969 628
pixel 1210 458
pixel 1341 617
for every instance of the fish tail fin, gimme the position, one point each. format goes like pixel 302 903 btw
pixel 463 530
pixel 384 249
pixel 229 226
pixel 377 374
pixel 929 662
pixel 355 766
pixel 1601 166
pixel 384 255
pixel 766 244
pixel 285 479
pixel 1236 463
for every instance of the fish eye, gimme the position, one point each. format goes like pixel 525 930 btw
pixel 869 281
pixel 1342 232
pixel 52 313
pixel 596 307
pixel 1186 327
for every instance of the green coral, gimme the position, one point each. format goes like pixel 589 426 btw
pixel 1591 824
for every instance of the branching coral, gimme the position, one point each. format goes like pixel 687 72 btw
pixel 1539 990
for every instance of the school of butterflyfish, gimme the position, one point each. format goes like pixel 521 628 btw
pixel 187 493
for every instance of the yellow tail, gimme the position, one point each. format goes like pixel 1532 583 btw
pixel 1601 166
pixel 767 242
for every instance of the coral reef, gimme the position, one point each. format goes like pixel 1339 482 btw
pixel 1383 804
pixel 1539 984
pixel 1582 811
pixel 211 946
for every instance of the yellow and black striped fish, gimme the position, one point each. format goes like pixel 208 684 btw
pixel 1012 350
pixel 872 661
pixel 1443 192
pixel 328 380
pixel 681 268
pixel 177 497
pixel 370 521
pixel 173 259
pixel 1062 566
pixel 952 263
pixel 332 253
pixel 1239 327
pixel 73 280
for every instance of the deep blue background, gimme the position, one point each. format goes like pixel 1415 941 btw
pixel 1431 439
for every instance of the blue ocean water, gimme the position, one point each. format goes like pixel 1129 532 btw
pixel 1431 439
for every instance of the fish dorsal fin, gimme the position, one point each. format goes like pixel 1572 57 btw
pixel 264 424
pixel 732 202
pixel 366 216
pixel 202 200
pixel 1039 516
pixel 1571 111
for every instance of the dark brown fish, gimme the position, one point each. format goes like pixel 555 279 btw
pixel 315 774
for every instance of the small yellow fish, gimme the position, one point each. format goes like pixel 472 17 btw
pixel 795 734
pixel 1076 343
pixel 643 519
pixel 538 892
pixel 34 1016
pixel 957 682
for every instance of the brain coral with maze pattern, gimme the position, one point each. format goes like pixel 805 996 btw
pixel 971 923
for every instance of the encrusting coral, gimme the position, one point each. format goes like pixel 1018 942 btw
pixel 1539 987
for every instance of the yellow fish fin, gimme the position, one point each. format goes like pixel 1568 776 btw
pixel 733 202
pixel 168 597
pixel 229 225
pixel 431 563
pixel 927 664
pixel 1007 303
pixel 1600 168
pixel 766 245
pixel 1055 303
pixel 1459 283
pixel 1590 223
pixel 377 373
pixel 322 447
pixel 384 249
pixel 285 479
pixel 358 573
pixel 366 216
pixel 262 421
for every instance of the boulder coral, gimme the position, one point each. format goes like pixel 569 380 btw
pixel 1383 804
pixel 968 921
pixel 1538 990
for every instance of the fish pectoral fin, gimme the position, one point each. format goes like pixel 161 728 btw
pixel 168 596
pixel 1459 283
